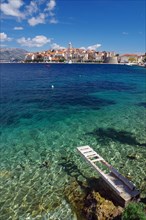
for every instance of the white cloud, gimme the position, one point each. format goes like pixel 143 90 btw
pixel 32 8
pixel 4 37
pixel 38 20
pixel 53 21
pixel 3 45
pixel 18 28
pixel 125 33
pixel 94 47
pixel 83 48
pixel 51 13
pixel 51 5
pixel 37 41
pixel 12 8
pixel 36 12
pixel 55 46
pixel 41 1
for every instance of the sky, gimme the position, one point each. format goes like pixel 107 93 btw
pixel 103 25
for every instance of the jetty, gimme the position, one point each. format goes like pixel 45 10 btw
pixel 120 186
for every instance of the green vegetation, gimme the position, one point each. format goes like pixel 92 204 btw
pixel 132 60
pixel 34 61
pixel 144 59
pixel 134 211
pixel 62 60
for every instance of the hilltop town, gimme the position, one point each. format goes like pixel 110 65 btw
pixel 70 55
pixel 75 55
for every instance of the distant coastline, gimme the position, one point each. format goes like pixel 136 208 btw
pixel 75 63
pixel 70 55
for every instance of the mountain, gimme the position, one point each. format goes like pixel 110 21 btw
pixel 12 54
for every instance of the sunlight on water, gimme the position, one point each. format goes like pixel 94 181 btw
pixel 98 105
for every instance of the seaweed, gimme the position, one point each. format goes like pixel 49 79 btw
pixel 124 137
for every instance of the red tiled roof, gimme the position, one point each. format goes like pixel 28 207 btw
pixel 128 55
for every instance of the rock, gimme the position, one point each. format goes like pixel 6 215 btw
pixel 44 164
pixel 98 208
pixel 133 156
pixel 75 196
pixel 90 205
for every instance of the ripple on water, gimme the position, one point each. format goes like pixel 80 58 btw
pixel 39 139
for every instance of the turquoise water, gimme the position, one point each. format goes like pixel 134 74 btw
pixel 103 106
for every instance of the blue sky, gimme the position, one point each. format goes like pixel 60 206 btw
pixel 37 25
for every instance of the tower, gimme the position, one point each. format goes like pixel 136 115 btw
pixel 70 46
pixel 69 51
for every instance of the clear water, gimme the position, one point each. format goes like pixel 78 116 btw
pixel 103 106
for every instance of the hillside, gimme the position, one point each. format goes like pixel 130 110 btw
pixel 12 54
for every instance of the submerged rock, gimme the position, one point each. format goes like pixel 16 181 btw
pixel 44 164
pixel 89 204
pixel 98 208
pixel 75 196
pixel 134 156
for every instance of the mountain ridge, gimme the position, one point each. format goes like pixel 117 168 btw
pixel 12 54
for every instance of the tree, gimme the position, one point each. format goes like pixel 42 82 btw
pixel 132 59
pixel 144 59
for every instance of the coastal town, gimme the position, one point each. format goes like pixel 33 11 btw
pixel 71 55
pixel 81 55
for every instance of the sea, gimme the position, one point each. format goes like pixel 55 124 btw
pixel 46 112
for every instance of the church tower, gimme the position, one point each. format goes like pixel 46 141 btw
pixel 69 51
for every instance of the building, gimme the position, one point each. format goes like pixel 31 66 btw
pixel 129 58
pixel 70 54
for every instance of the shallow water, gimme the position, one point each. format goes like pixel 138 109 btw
pixel 103 106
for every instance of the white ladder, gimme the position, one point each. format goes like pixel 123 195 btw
pixel 114 179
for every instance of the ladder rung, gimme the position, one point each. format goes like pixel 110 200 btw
pixel 95 160
pixel 91 156
pixel 90 153
pixel 84 147
pixel 86 151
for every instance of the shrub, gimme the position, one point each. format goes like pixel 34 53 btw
pixel 134 211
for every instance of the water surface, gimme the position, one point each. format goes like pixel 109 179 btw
pixel 103 106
